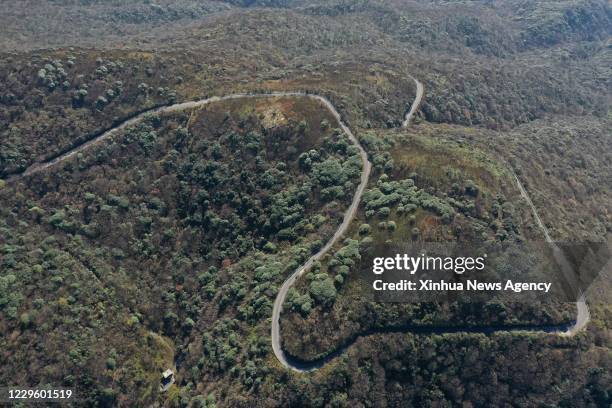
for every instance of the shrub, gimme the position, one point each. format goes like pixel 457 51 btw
pixel 471 188
pixel 270 247
pixel 188 325
pixel 101 102
pixel 384 212
pixel 364 229
pixel 323 290
pixel 111 364
pixel 25 320
pixel 57 218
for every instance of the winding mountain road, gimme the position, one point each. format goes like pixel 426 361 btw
pixel 583 312
pixel 420 90
pixel 583 315
pixel 346 222
pixel 38 167
pixel 348 218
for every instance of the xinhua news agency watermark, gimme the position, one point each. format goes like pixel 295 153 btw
pixel 516 272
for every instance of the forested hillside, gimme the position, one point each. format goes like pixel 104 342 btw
pixel 143 242
pixel 165 245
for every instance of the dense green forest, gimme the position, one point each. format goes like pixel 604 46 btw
pixel 181 221
pixel 165 245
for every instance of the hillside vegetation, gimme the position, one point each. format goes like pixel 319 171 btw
pixel 142 242
pixel 165 245
pixel 424 189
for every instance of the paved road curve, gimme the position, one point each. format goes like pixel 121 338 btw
pixel 583 312
pixel 420 90
pixel 348 218
pixel 38 167
pixel 583 315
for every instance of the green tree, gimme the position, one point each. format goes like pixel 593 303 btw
pixel 323 290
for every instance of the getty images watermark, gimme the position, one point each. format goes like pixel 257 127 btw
pixel 479 271
pixel 458 265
